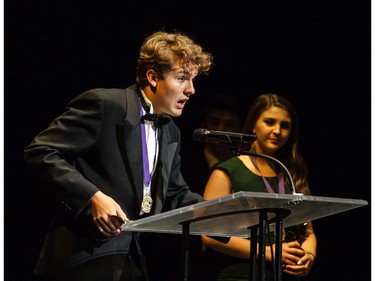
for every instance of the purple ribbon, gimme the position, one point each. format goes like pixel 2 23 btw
pixel 146 168
pixel 280 179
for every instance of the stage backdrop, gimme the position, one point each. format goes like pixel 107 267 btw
pixel 315 53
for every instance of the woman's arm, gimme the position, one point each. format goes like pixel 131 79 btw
pixel 219 184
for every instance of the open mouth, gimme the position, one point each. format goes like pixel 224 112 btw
pixel 182 102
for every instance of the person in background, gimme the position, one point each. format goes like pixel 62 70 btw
pixel 221 113
pixel 113 156
pixel 274 121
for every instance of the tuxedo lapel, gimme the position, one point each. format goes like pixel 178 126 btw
pixel 168 151
pixel 133 147
pixel 133 142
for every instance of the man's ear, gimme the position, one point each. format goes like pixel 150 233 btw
pixel 152 78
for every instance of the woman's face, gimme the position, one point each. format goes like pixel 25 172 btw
pixel 272 129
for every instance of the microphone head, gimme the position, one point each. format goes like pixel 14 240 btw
pixel 200 135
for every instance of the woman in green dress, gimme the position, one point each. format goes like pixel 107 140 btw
pixel 274 121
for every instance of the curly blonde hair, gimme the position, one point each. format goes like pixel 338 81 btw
pixel 162 50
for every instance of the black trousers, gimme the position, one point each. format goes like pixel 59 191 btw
pixel 118 267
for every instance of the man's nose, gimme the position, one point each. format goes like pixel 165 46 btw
pixel 190 90
pixel 222 127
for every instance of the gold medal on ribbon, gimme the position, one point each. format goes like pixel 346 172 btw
pixel 146 204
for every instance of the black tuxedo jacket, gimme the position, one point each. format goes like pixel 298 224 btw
pixel 96 145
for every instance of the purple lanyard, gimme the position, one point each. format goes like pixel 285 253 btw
pixel 146 168
pixel 280 179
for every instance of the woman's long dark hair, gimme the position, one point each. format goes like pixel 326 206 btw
pixel 289 154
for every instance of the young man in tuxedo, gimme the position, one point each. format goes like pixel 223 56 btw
pixel 113 156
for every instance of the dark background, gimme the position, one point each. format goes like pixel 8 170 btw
pixel 315 53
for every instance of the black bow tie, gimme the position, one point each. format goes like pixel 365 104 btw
pixel 158 120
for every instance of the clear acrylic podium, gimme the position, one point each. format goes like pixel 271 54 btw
pixel 243 214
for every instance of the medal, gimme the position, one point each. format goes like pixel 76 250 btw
pixel 146 204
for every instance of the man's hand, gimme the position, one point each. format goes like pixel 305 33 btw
pixel 104 211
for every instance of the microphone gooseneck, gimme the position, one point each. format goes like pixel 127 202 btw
pixel 278 162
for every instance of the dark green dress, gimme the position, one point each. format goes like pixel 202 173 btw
pixel 242 179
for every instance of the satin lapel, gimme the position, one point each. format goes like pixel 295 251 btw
pixel 133 142
pixel 168 151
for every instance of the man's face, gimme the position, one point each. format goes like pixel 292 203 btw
pixel 173 91
pixel 221 120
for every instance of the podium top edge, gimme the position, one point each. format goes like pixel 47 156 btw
pixel 301 197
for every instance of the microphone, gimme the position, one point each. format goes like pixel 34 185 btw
pixel 204 135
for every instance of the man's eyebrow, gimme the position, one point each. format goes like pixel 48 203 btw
pixel 181 70
pixel 178 69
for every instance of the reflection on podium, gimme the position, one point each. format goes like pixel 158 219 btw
pixel 247 215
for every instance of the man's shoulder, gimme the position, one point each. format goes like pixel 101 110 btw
pixel 113 99
pixel 111 95
pixel 131 90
